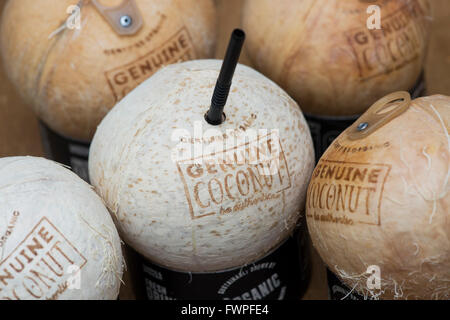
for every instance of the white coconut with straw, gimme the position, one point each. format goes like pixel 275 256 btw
pixel 57 239
pixel 202 193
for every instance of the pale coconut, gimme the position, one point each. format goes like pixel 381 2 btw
pixel 217 213
pixel 73 74
pixel 57 239
pixel 324 55
pixel 381 204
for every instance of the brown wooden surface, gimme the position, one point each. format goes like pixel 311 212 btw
pixel 19 133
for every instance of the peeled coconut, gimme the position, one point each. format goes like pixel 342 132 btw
pixel 324 55
pixel 383 200
pixel 191 196
pixel 72 77
pixel 57 239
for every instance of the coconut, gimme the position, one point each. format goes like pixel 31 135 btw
pixel 72 75
pixel 57 239
pixel 324 55
pixel 193 197
pixel 378 203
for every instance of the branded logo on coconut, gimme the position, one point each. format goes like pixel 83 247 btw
pixel 261 148
pixel 122 79
pixel 347 192
pixel 44 265
pixel 225 173
pixel 382 49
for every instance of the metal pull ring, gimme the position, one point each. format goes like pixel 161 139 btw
pixel 374 118
pixel 125 18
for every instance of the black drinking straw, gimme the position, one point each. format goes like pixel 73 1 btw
pixel 215 115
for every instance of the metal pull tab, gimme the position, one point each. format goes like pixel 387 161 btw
pixel 125 18
pixel 380 113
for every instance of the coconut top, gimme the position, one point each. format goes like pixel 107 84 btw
pixel 58 240
pixel 384 200
pixel 324 55
pixel 73 73
pixel 172 181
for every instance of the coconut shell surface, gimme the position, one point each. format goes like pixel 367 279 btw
pixel 73 76
pixel 323 54
pixel 58 241
pixel 213 214
pixel 384 201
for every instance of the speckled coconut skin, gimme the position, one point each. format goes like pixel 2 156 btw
pixel 63 76
pixel 411 244
pixel 40 189
pixel 130 166
pixel 307 47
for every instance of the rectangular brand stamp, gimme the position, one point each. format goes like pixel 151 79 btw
pixel 38 267
pixel 235 178
pixel 347 192
pixel 127 77
pixel 395 45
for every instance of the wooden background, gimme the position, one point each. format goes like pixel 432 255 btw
pixel 19 134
